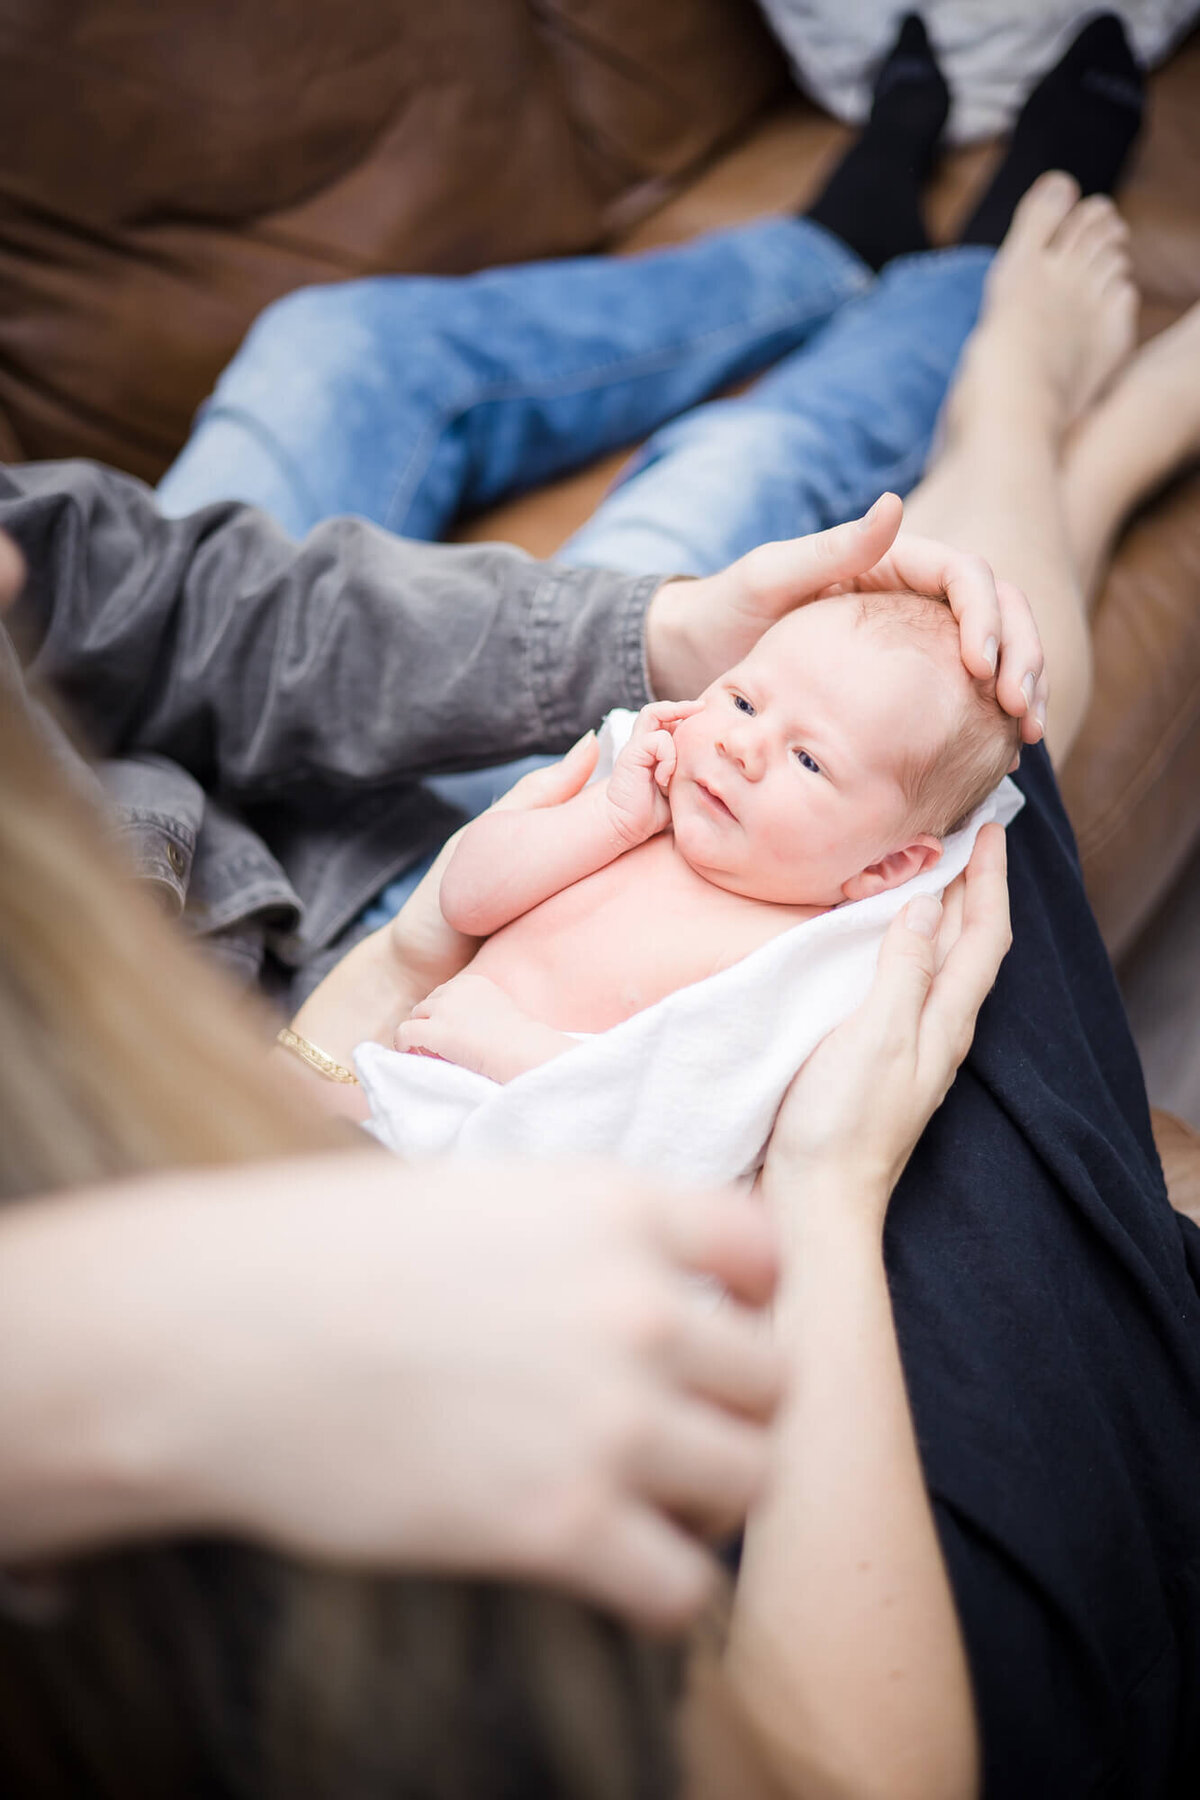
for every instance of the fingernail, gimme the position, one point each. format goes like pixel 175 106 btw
pixel 1039 707
pixel 992 651
pixel 922 914
pixel 864 523
pixel 1027 687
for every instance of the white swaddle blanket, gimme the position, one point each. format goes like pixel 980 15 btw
pixel 688 1088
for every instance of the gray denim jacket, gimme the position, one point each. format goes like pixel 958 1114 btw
pixel 260 713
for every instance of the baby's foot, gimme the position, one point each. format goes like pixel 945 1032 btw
pixel 1060 307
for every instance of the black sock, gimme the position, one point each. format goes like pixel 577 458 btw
pixel 873 198
pixel 1082 117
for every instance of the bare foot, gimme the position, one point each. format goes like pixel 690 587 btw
pixel 1059 311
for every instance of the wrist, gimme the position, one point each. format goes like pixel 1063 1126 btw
pixel 827 1201
pixel 92 1403
pixel 528 1048
pixel 676 669
pixel 623 829
pixel 364 996
pixel 207 1304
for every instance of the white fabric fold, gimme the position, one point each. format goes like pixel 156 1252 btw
pixel 689 1088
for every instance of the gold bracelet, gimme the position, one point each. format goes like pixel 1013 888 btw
pixel 287 1039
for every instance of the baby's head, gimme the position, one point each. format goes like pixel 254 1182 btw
pixel 834 759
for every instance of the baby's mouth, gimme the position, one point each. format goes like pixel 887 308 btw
pixel 715 802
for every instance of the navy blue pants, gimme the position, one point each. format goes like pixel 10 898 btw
pixel 1046 1300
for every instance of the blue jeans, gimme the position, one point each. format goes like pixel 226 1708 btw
pixel 410 399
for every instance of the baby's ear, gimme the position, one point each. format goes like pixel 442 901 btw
pixel 894 869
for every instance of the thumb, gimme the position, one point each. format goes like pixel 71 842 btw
pixel 803 568
pixel 906 964
pixel 559 782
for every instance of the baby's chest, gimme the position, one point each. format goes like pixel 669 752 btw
pixel 621 940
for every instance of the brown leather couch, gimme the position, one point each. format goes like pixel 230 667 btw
pixel 167 171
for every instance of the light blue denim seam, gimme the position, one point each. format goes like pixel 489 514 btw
pixel 815 273
pixel 602 375
pixel 254 427
pixel 618 536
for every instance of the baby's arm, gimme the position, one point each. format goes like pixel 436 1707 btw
pixel 472 1022
pixel 508 862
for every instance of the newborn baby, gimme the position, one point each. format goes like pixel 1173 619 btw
pixel 827 766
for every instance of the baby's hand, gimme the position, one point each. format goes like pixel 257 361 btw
pixel 637 787
pixel 472 1022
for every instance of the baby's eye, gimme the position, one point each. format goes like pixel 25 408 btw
pixel 742 704
pixel 808 762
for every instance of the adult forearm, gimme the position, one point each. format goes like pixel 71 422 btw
pixel 364 997
pixel 435 1368
pixel 261 665
pixel 89 1365
pixel 845 1647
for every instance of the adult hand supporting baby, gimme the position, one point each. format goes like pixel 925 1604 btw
pixel 372 990
pixel 863 1098
pixel 697 629
pixel 845 1646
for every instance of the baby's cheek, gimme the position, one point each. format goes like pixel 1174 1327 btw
pixel 687 734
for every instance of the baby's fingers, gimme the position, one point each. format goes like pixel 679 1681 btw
pixel 663 745
pixel 418 1037
pixel 666 714
pixel 426 1008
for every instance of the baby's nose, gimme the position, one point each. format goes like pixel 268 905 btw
pixel 742 744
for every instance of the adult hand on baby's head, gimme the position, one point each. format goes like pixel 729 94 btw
pixel 863 1098
pixel 697 629
pixel 996 626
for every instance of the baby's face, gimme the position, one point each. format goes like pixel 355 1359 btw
pixel 787 785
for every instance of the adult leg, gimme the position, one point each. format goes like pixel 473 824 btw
pixel 812 443
pixel 1058 321
pixel 1143 431
pixel 701 479
pixel 405 399
pixel 1045 1294
pixel 408 398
